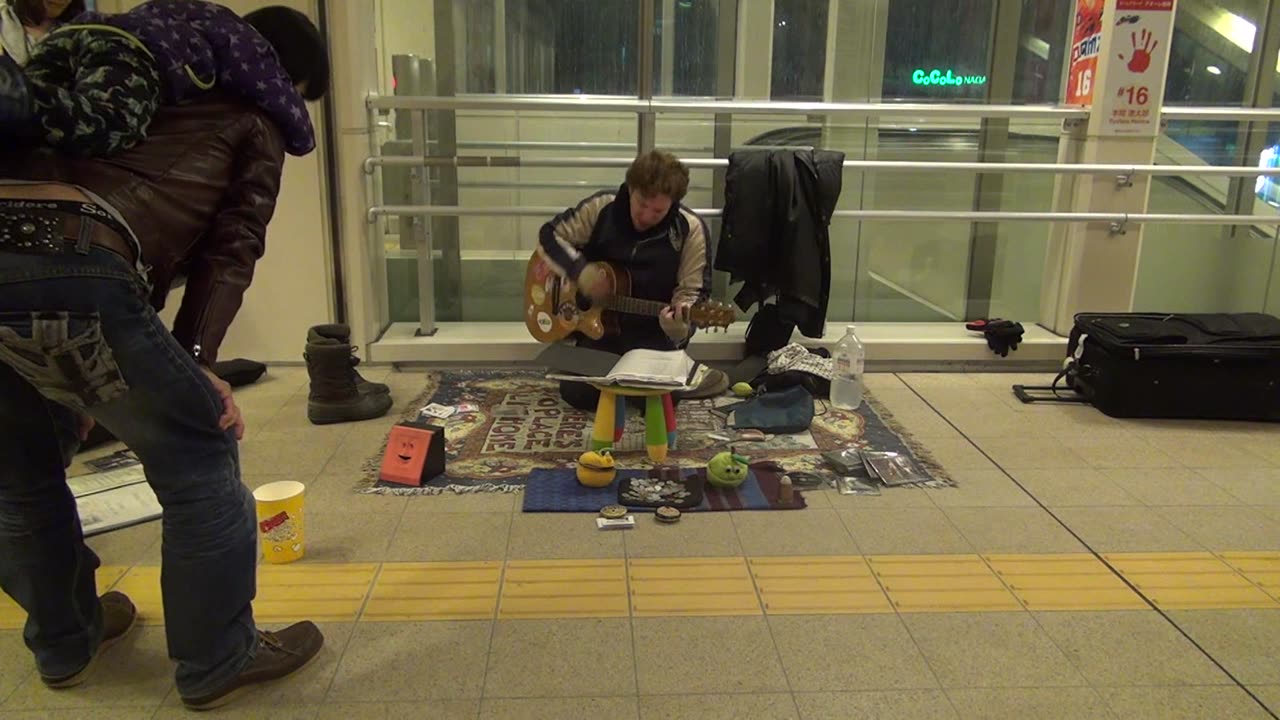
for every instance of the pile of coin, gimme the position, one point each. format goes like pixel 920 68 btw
pixel 651 491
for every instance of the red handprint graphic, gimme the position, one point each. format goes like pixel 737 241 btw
pixel 1141 58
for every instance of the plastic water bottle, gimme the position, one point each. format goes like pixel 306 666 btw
pixel 848 363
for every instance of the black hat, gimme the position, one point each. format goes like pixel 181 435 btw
pixel 298 44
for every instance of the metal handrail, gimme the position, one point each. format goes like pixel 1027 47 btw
pixel 709 106
pixel 881 109
pixel 501 161
pixel 1120 219
pixel 538 145
pixel 1223 113
pixel 499 102
pixel 705 106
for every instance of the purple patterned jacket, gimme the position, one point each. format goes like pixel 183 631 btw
pixel 199 45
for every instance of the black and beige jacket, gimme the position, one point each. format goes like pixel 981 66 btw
pixel 668 263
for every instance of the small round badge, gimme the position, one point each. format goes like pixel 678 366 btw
pixel 613 512
pixel 666 514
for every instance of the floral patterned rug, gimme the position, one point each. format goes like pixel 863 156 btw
pixel 520 425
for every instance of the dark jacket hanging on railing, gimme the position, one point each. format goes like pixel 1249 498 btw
pixel 775 231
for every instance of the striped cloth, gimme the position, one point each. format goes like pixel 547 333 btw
pixel 557 490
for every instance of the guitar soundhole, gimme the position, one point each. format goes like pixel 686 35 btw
pixel 568 312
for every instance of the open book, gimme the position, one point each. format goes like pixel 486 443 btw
pixel 671 370
pixel 115 497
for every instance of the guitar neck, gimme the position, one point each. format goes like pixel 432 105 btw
pixel 634 306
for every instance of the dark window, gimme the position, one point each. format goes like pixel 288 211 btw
pixel 937 50
pixel 799 49
pixel 572 46
pixel 1043 50
pixel 695 25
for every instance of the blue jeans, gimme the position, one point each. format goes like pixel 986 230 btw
pixel 76 333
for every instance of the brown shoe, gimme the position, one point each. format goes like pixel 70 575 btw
pixel 279 654
pixel 708 383
pixel 118 618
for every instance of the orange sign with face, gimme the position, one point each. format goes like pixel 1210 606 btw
pixel 414 454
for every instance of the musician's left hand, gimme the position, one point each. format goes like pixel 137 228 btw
pixel 674 320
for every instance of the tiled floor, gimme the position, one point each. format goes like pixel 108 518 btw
pixel 1170 506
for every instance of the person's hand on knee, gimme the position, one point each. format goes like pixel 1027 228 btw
pixel 231 417
pixel 84 425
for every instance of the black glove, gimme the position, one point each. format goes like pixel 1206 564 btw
pixel 1002 335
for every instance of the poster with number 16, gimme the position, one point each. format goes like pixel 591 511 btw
pixel 1085 43
pixel 1136 73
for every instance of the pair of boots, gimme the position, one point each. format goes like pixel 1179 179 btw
pixel 338 393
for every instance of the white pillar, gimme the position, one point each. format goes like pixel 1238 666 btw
pixel 1089 267
pixel 755 50
pixel 854 73
pixel 352 45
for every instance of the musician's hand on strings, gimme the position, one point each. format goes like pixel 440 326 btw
pixel 674 320
pixel 593 282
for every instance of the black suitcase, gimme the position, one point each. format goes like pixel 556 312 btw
pixel 1147 365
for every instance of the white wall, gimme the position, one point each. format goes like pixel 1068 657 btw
pixel 292 286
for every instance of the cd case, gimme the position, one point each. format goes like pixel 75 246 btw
pixel 892 468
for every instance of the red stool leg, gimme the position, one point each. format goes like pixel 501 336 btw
pixel 620 423
pixel 669 409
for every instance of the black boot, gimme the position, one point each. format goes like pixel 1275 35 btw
pixel 335 397
pixel 342 333
pixel 15 100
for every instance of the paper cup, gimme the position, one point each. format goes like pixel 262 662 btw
pixel 280 526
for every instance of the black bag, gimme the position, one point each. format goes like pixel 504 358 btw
pixel 784 413
pixel 1146 365
pixel 770 328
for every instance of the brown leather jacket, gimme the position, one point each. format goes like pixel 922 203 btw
pixel 198 193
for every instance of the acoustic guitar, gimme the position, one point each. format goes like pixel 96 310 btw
pixel 554 310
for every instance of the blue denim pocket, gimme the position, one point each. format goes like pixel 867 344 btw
pixel 63 355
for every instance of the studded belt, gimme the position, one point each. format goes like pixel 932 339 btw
pixel 53 232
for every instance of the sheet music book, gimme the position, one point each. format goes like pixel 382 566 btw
pixel 658 369
pixel 113 499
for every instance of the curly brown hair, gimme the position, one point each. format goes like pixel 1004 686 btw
pixel 31 12
pixel 659 173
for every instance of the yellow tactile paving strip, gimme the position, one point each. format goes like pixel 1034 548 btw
pixel 333 593
pixel 942 583
pixel 435 591
pixel 13 617
pixel 1064 582
pixel 735 586
pixel 697 586
pixel 564 589
pixel 1260 568
pixel 818 585
pixel 1190 581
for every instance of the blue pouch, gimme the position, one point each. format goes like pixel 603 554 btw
pixel 785 412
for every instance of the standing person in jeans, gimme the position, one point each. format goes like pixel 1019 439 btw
pixel 88 252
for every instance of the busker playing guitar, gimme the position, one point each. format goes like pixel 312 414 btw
pixel 643 229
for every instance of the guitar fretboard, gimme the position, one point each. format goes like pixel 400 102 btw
pixel 633 306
